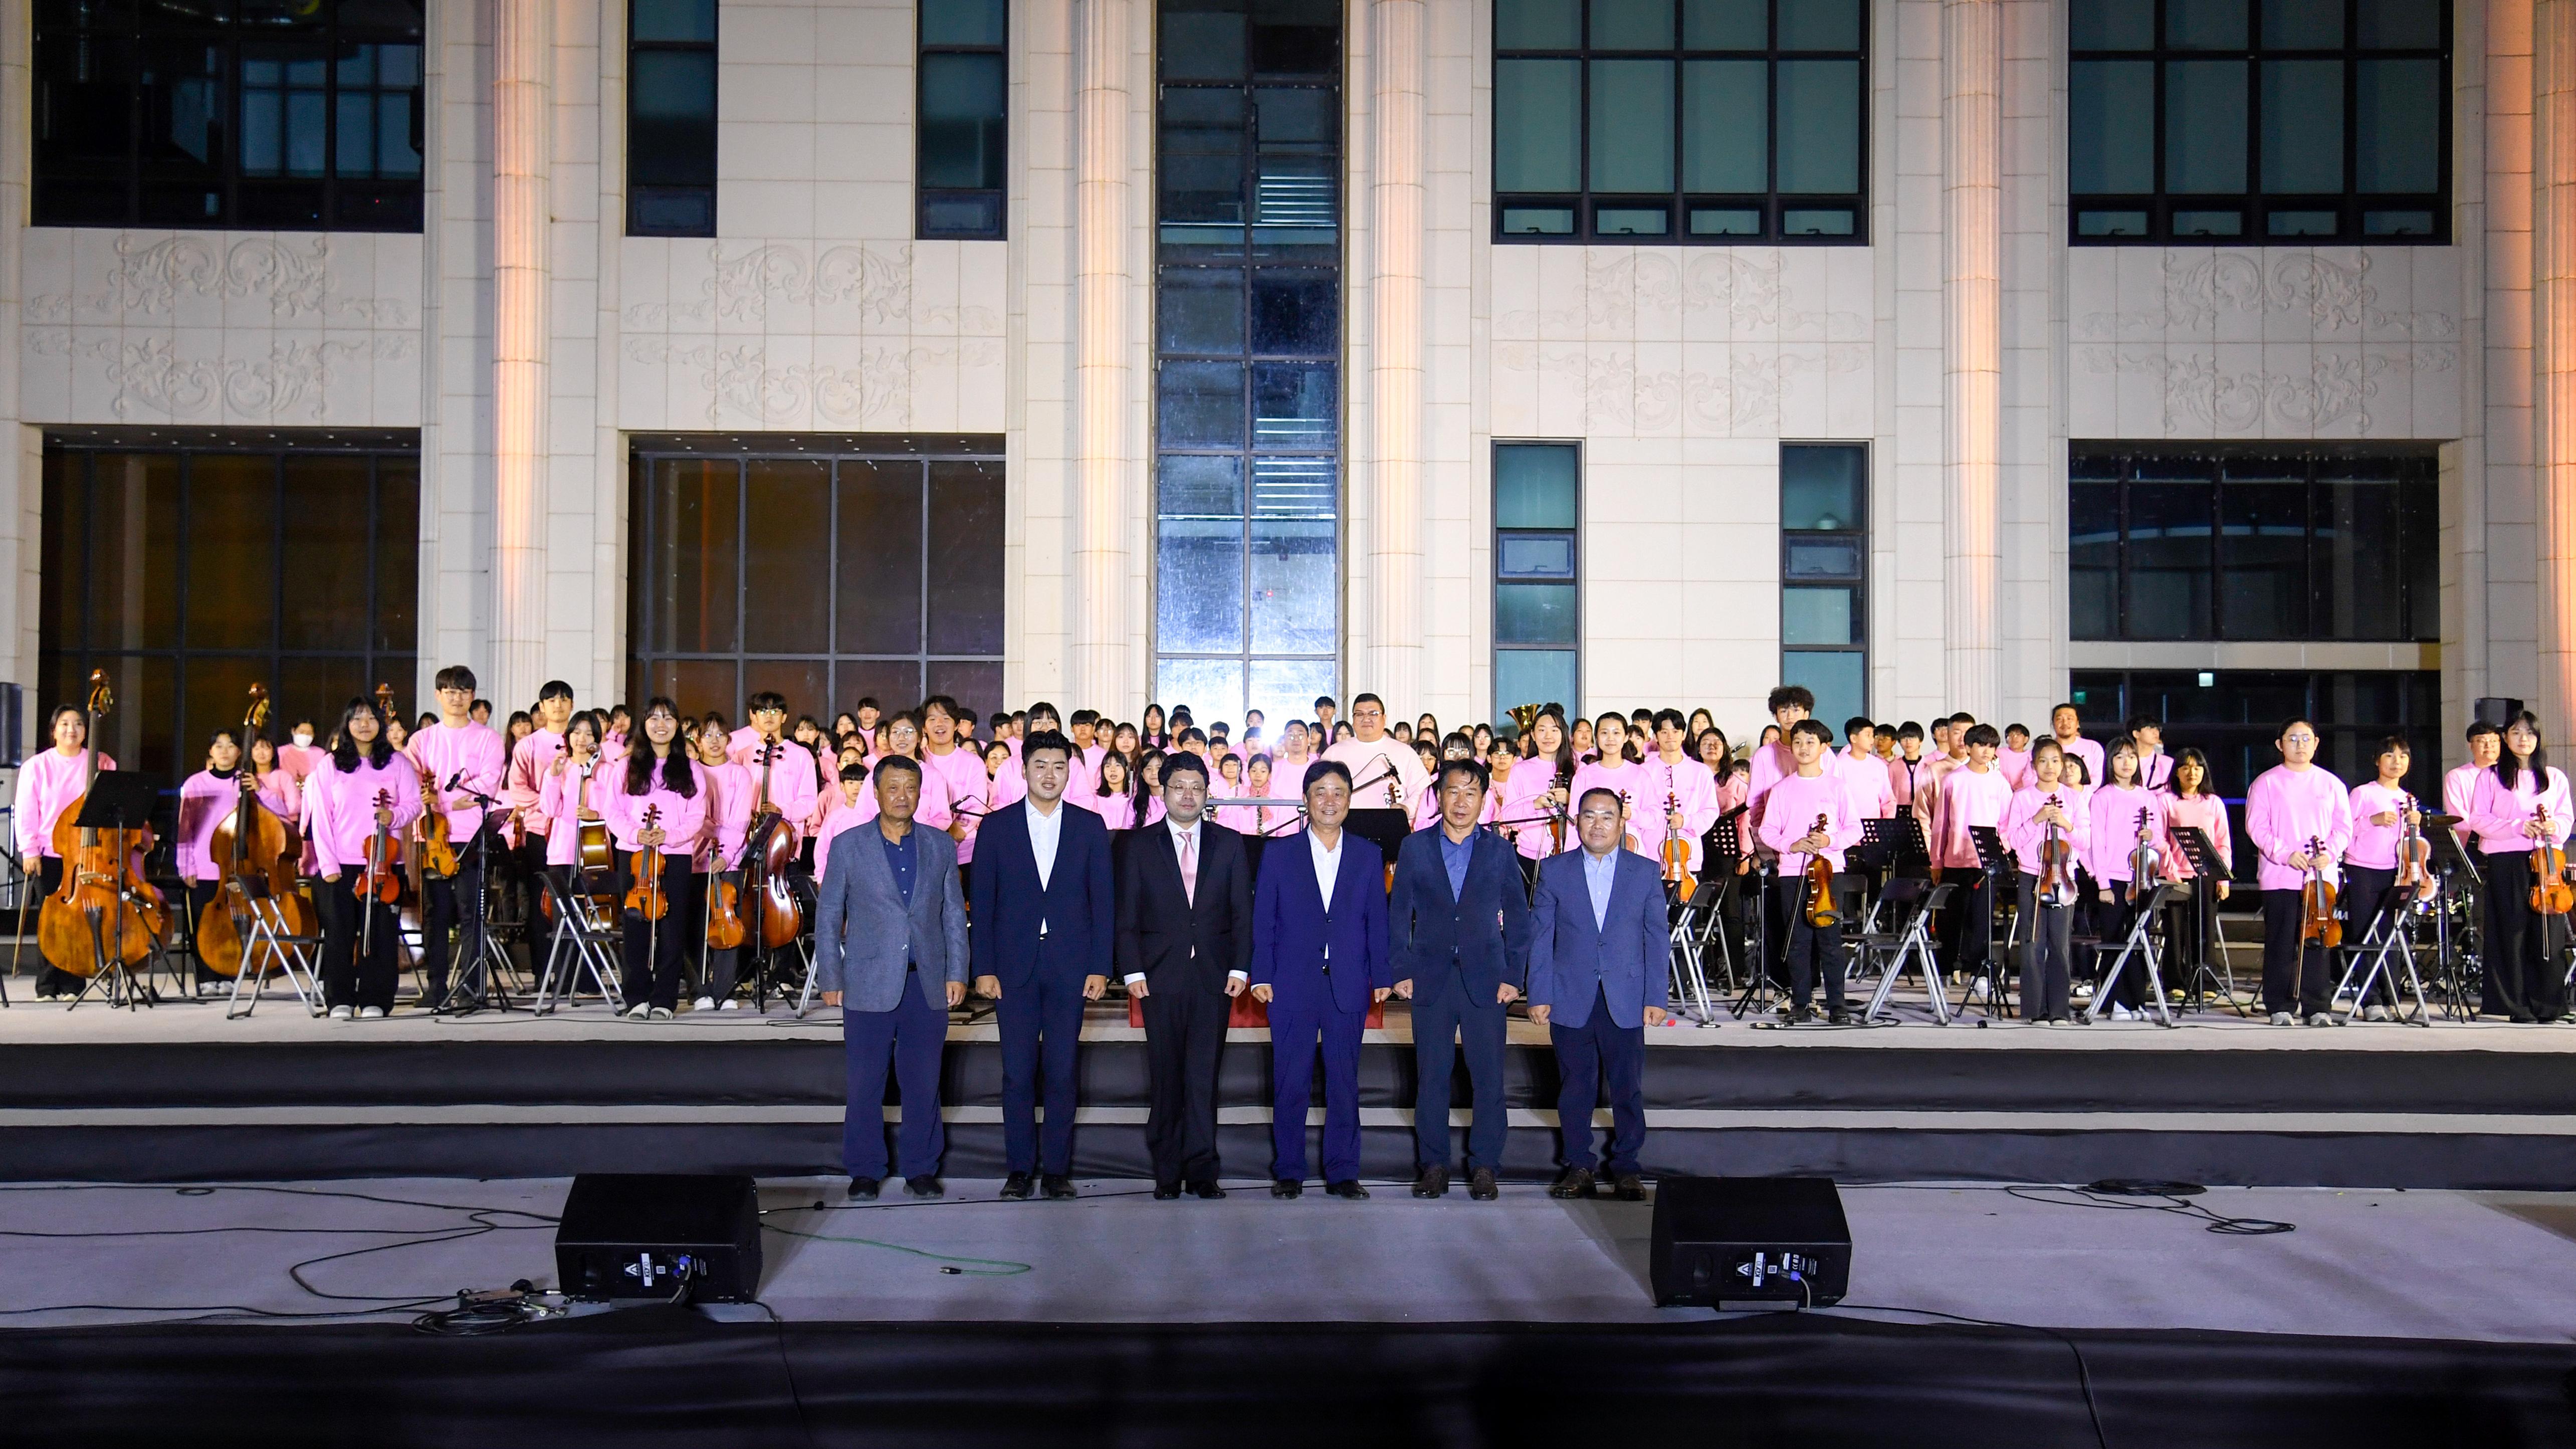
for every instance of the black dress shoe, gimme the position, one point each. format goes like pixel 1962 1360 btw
pixel 1631 1187
pixel 1480 1185
pixel 1348 1188
pixel 926 1185
pixel 1286 1187
pixel 1839 1016
pixel 1166 1191
pixel 1573 1182
pixel 1433 1182
pixel 1056 1185
pixel 1207 1189
pixel 864 1188
pixel 1016 1187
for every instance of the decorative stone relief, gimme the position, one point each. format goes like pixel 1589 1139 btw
pixel 1618 396
pixel 150 276
pixel 740 383
pixel 2335 393
pixel 292 380
pixel 743 288
pixel 2334 295
pixel 1746 286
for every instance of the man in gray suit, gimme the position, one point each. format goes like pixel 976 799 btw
pixel 890 936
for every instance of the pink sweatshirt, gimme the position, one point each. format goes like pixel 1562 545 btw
pixel 206 801
pixel 2114 834
pixel 683 817
pixel 2459 788
pixel 2286 809
pixel 1795 802
pixel 1771 764
pixel 729 788
pixel 1516 799
pixel 961 771
pixel 527 779
pixel 342 808
pixel 475 751
pixel 2015 765
pixel 1644 795
pixel 559 805
pixel 1688 782
pixel 2204 812
pixel 1909 781
pixel 2498 814
pixel 2023 832
pixel 1873 794
pixel 1968 798
pixel 46 784
pixel 2090 752
pixel 839 818
pixel 795 786
pixel 2376 845
pixel 1118 812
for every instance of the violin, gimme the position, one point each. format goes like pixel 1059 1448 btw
pixel 2056 864
pixel 2317 923
pixel 2414 854
pixel 252 844
pixel 2145 861
pixel 1820 885
pixel 1556 824
pixel 725 930
pixel 382 878
pixel 2550 893
pixel 768 851
pixel 105 908
pixel 1676 852
pixel 646 896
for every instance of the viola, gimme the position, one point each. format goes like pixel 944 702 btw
pixel 2056 864
pixel 2550 893
pixel 105 908
pixel 2145 861
pixel 2318 925
pixel 1820 885
pixel 2414 854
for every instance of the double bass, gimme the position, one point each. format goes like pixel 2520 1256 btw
pixel 2318 925
pixel 2550 893
pixel 105 909
pixel 253 845
pixel 767 850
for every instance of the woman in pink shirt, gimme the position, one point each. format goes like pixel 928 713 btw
pixel 1623 777
pixel 1113 799
pixel 570 792
pixel 1003 783
pixel 657 805
pixel 719 858
pixel 2123 813
pixel 842 812
pixel 2382 815
pixel 2517 806
pixel 47 785
pixel 2193 805
pixel 1975 794
pixel 363 791
pixel 2048 927
pixel 208 799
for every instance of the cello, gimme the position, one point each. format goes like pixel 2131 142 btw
pixel 769 847
pixel 105 910
pixel 251 844
pixel 2550 893
pixel 2318 925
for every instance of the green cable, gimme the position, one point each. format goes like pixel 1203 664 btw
pixel 993 1267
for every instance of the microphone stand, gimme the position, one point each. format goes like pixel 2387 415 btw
pixel 490 993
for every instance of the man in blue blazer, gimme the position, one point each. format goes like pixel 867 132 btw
pixel 1462 939
pixel 1044 919
pixel 1600 968
pixel 1319 960
pixel 890 951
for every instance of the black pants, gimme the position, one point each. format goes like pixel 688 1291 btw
pixel 2520 965
pixel 1969 933
pixel 2297 977
pixel 453 902
pixel 2364 895
pixel 656 959
pixel 2114 919
pixel 718 970
pixel 1815 952
pixel 346 979
pixel 2046 949
pixel 1184 1037
pixel 2190 923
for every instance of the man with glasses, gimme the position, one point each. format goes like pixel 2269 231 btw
pixel 1600 969
pixel 462 763
pixel 1378 760
pixel 2300 817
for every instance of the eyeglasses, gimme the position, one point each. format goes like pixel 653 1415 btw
pixel 2298 739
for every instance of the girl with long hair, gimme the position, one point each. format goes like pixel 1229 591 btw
pixel 658 809
pixel 362 793
pixel 2517 807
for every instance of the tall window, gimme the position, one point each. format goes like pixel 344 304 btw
pixel 963 135
pixel 1824 574
pixel 1247 294
pixel 287 115
pixel 2272 120
pixel 1538 614
pixel 191 572
pixel 2221 543
pixel 1722 121
pixel 824 568
pixel 671 118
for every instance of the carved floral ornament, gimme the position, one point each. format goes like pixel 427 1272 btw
pixel 877 283
pixel 740 385
pixel 291 382
pixel 150 276
pixel 1745 286
pixel 1741 401
pixel 2334 394
pixel 2333 295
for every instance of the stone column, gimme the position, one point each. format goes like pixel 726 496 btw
pixel 1972 350
pixel 522 143
pixel 21 448
pixel 1102 672
pixel 2553 351
pixel 1397 104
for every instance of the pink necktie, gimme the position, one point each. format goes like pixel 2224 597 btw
pixel 1190 866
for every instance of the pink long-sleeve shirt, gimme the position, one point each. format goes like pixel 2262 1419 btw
pixel 1516 799
pixel 2024 833
pixel 961 770
pixel 2285 810
pixel 795 786
pixel 1968 798
pixel 839 818
pixel 1795 803
pixel 2090 752
pixel 683 817
pixel 1643 792
pixel 1910 782
pixel 2114 832
pixel 2015 765
pixel 1873 794
pixel 1770 765
pixel 560 800
pixel 206 801
pixel 46 784
pixel 2205 812
pixel 2459 788
pixel 341 808
pixel 2375 846
pixel 729 790
pixel 526 780
pixel 1689 784
pixel 475 752
pixel 2498 814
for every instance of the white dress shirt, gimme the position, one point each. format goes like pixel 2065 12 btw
pixel 1046 828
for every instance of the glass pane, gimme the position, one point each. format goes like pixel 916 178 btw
pixel 2302 125
pixel 879 558
pixel 1819 616
pixel 1538 123
pixel 1295 314
pixel 2110 223
pixel 2399 124
pixel 671 119
pixel 1821 558
pixel 893 683
pixel 326 536
pixel 2302 24
pixel 697 685
pixel 2205 24
pixel 2420 559
pixel 2401 25
pixel 2205 126
pixel 2106 149
pixel 1197 485
pixel 697 537
pixel 1632 125
pixel 1820 25
pixel 1820 125
pixel 1839 680
pixel 807 683
pixel 1293 405
pixel 949 22
pixel 1200 405
pixel 1820 487
pixel 2397 223
pixel 1212 688
pixel 232 514
pixel 2358 563
pixel 1295 586
pixel 965 558
pixel 216 694
pixel 1538 221
pixel 2093 560
pixel 1535 676
pixel 1535 25
pixel 1296 37
pixel 1294 488
pixel 2111 25
pixel 1535 486
pixel 134 550
pixel 2302 223
pixel 787 532
pixel 695 20
pixel 963 121
pixel 62 608
pixel 1534 555
pixel 1200 311
pixel 1202 44
pixel 1816 221
pixel 1201 156
pixel 2209 223
pixel 2169 560
pixel 1631 220
pixel 1725 221
pixel 319 688
pixel 1285 689
pixel 975 686
pixel 1725 24
pixel 2263 574
pixel 1535 614
pixel 1632 24
pixel 1198 590
pixel 397 555
pixel 1726 126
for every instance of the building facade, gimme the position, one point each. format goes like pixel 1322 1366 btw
pixel 2215 358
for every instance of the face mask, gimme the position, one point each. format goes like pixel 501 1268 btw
pixel 303 739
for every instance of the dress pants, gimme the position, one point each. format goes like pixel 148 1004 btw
pixel 1815 952
pixel 2046 950
pixel 453 902
pixel 912 1038
pixel 1041 1027
pixel 1587 1056
pixel 1294 1031
pixel 2519 963
pixel 1184 1034
pixel 1969 932
pixel 1446 1017
pixel 348 980
pixel 655 953
pixel 2296 977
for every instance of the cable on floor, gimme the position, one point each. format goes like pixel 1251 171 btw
pixel 2083 1371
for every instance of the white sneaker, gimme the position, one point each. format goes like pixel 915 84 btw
pixel 639 1011
pixel 2283 1018
pixel 2083 990
pixel 2122 1013
pixel 661 1013
pixel 2322 1018
pixel 371 1013
pixel 1980 987
pixel 703 1003
pixel 731 1004
pixel 2374 1013
pixel 344 1013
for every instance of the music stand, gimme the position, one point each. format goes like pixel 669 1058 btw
pixel 1384 829
pixel 116 800
pixel 1995 862
pixel 491 994
pixel 2201 854
pixel 2462 992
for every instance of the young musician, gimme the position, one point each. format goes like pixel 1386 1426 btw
pixel 1772 763
pixel 1863 773
pixel 2460 785
pixel 2196 805
pixel 2124 813
pixel 1972 795
pixel 1113 799
pixel 2014 758
pixel 300 754
pixel 530 759
pixel 2520 805
pixel 2155 767
pixel 459 761
pixel 658 807
pixel 1789 831
pixel 1004 782
pixel 2300 817
pixel 2047 951
pixel 841 811
pixel 1614 772
pixel 793 780
pixel 570 794
pixel 2382 814
pixel 362 795
pixel 719 861
pixel 47 785
pixel 207 800
pixel 962 778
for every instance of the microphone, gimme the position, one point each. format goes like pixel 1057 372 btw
pixel 452 781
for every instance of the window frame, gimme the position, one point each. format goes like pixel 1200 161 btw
pixel 638 196
pixel 1772 203
pixel 2255 205
pixel 1497 534
pixel 925 197
pixel 1855 583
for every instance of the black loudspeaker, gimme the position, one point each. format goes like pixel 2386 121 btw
pixel 649 1235
pixel 2497 712
pixel 1755 1242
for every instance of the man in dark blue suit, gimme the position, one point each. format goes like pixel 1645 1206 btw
pixel 1462 936
pixel 1600 968
pixel 1319 960
pixel 1044 918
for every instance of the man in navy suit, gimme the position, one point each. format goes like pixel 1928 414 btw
pixel 1462 937
pixel 1044 918
pixel 1600 967
pixel 1319 960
